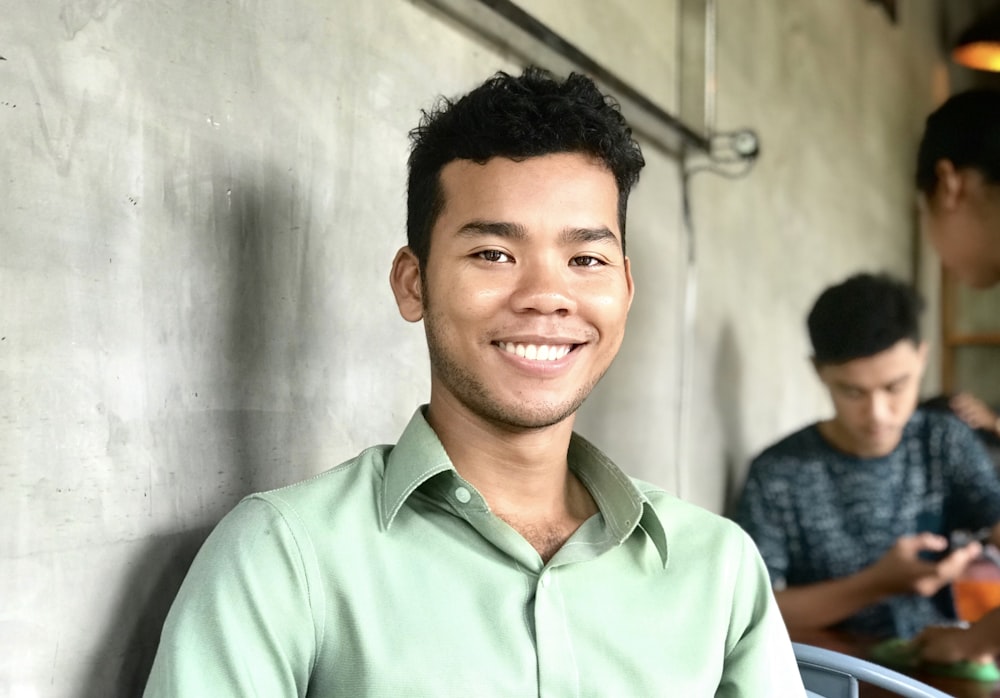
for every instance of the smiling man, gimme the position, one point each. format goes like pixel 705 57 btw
pixel 853 514
pixel 491 551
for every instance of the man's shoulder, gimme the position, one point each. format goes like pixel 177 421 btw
pixel 354 480
pixel 801 446
pixel 930 423
pixel 940 434
pixel 678 515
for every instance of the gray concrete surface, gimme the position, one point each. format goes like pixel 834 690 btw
pixel 201 201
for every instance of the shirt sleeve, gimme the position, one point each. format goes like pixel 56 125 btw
pixel 759 659
pixel 759 513
pixel 974 491
pixel 244 621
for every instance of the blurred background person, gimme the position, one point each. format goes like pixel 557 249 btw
pixel 958 176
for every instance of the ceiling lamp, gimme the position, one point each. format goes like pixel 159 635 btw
pixel 979 46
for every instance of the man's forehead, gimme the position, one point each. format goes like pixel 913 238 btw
pixel 495 192
pixel 868 375
pixel 458 167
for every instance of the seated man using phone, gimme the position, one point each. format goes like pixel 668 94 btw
pixel 853 514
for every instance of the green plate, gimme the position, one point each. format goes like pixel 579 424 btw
pixel 900 654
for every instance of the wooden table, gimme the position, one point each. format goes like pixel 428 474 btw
pixel 859 647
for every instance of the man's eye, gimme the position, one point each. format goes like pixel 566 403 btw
pixel 587 261
pixel 493 256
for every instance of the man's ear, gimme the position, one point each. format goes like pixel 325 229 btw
pixel 922 352
pixel 404 278
pixel 950 184
pixel 629 281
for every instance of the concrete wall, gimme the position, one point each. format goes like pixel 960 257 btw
pixel 201 201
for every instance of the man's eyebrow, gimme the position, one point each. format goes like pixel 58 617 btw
pixel 513 231
pixel 845 385
pixel 516 231
pixel 601 234
pixel 887 384
pixel 897 380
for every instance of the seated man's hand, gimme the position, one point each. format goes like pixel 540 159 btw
pixel 947 645
pixel 973 411
pixel 902 570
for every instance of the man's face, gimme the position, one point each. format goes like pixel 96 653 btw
pixel 526 289
pixel 874 397
pixel 963 224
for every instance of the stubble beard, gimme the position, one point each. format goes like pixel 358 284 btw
pixel 471 391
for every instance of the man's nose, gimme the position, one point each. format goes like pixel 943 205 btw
pixel 878 407
pixel 544 286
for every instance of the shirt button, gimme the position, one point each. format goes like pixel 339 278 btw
pixel 545 579
pixel 463 495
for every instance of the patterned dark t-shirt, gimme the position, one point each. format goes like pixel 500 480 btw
pixel 818 514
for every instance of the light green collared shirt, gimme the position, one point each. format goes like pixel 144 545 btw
pixel 389 576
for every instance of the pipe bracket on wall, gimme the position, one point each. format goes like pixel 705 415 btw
pixel 511 28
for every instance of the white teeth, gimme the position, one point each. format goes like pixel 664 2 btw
pixel 536 352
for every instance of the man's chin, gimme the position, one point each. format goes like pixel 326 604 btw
pixel 976 275
pixel 984 281
pixel 524 420
pixel 882 445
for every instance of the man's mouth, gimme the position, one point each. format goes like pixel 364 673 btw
pixel 879 432
pixel 537 352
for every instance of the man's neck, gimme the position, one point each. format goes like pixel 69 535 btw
pixel 832 435
pixel 994 230
pixel 523 474
pixel 837 437
pixel 524 468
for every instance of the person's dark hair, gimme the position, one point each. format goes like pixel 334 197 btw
pixel 966 131
pixel 517 118
pixel 862 316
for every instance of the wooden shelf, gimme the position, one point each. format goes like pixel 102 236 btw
pixel 973 339
pixel 951 338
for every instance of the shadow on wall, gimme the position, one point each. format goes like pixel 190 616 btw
pixel 131 638
pixel 728 404
pixel 280 318
pixel 252 259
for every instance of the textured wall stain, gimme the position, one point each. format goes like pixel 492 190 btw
pixel 77 14
pixel 62 117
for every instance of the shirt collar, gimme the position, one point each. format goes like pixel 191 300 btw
pixel 419 455
pixel 621 503
pixel 416 457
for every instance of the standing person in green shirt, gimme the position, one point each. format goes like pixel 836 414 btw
pixel 491 551
pixel 958 174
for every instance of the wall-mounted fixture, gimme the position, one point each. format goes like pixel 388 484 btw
pixel 979 45
pixel 891 8
pixel 513 28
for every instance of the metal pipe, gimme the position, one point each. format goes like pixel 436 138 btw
pixel 510 27
pixel 689 302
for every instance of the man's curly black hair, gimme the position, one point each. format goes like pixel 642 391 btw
pixel 862 316
pixel 518 118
